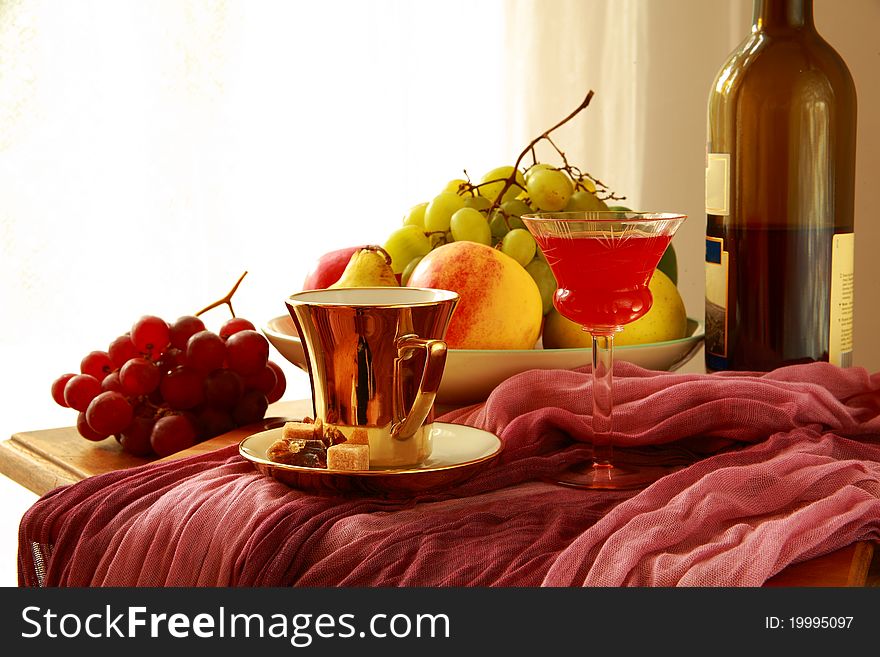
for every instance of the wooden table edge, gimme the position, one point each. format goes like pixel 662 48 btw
pixel 855 565
pixel 31 469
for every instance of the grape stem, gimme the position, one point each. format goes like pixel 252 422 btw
pixel 511 179
pixel 575 173
pixel 227 300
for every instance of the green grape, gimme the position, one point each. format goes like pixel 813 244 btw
pixel 500 175
pixel 469 225
pixel 502 223
pixel 477 202
pixel 540 271
pixel 416 216
pixel 404 244
pixel 519 245
pixel 619 208
pixel 408 270
pixel 440 210
pixel 582 201
pixel 536 167
pixel 498 226
pixel 549 189
pixel 455 186
pixel 585 182
pixel 516 208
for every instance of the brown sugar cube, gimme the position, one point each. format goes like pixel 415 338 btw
pixel 359 437
pixel 346 456
pixel 298 431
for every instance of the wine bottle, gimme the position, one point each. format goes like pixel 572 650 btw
pixel 780 166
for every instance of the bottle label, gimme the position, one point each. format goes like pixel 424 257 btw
pixel 716 303
pixel 718 184
pixel 840 345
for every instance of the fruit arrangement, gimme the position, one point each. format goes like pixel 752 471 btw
pixel 489 212
pixel 164 386
pixel 470 238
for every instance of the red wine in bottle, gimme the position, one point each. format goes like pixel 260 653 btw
pixel 780 173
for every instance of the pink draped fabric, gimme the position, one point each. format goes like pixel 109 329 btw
pixel 787 468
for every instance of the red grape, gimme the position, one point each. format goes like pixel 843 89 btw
pixel 247 352
pixel 121 351
pixel 264 381
pixel 181 388
pixel 80 390
pixel 171 434
pixel 250 408
pixel 58 389
pixel 139 377
pixel 112 382
pixel 183 329
pixel 86 431
pixel 215 421
pixel 201 383
pixel 234 325
pixel 109 413
pixel 150 335
pixel 280 383
pixel 97 363
pixel 136 437
pixel 173 357
pixel 223 388
pixel 205 351
pixel 155 397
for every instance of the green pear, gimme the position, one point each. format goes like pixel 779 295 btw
pixel 368 267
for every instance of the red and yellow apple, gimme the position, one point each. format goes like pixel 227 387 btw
pixel 499 306
pixel 328 268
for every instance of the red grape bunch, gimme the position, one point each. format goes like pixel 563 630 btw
pixel 163 387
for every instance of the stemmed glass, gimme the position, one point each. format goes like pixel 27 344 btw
pixel 603 262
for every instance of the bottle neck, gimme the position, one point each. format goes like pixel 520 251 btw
pixel 782 15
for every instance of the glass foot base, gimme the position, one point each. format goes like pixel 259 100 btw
pixel 609 477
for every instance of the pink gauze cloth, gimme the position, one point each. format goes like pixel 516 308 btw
pixel 787 469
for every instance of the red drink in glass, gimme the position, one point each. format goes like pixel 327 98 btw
pixel 603 262
pixel 602 282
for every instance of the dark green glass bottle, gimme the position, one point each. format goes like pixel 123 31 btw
pixel 780 172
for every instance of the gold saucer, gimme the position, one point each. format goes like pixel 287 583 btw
pixel 459 452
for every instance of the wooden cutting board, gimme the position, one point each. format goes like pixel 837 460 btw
pixel 45 459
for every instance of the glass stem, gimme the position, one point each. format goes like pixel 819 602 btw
pixel 603 400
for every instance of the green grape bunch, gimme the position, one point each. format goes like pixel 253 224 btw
pixel 490 211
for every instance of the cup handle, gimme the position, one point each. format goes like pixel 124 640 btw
pixel 405 423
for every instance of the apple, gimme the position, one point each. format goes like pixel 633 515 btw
pixel 329 267
pixel 499 305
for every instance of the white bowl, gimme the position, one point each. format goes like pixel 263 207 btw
pixel 471 374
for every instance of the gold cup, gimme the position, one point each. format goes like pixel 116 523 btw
pixel 375 357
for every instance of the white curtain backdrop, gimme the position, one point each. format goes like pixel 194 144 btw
pixel 150 152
